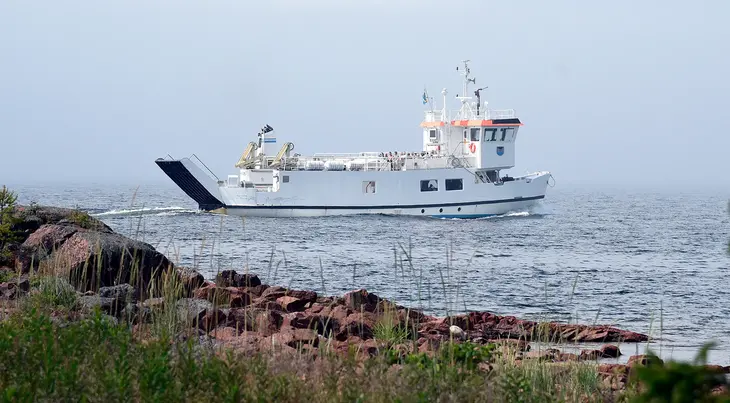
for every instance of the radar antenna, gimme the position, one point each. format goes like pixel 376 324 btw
pixel 479 97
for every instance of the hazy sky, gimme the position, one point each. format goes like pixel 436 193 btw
pixel 609 91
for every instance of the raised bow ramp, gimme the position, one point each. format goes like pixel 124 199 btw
pixel 194 182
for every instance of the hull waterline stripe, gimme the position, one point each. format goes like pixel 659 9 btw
pixel 386 207
pixel 463 215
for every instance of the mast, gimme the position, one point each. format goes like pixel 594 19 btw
pixel 465 72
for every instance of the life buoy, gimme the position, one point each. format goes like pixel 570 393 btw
pixel 472 148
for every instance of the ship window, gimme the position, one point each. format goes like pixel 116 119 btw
pixel 285 179
pixel 429 185
pixel 475 134
pixel 454 184
pixel 490 134
pixel 466 135
pixel 508 133
pixel 433 135
pixel 368 186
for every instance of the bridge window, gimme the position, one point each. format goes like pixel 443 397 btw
pixel 433 135
pixel 490 134
pixel 454 184
pixel 429 185
pixel 475 133
pixel 508 133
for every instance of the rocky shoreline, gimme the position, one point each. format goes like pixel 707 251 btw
pixel 131 281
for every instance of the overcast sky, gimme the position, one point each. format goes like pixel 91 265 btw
pixel 609 92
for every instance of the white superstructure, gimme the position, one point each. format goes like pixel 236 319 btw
pixel 456 174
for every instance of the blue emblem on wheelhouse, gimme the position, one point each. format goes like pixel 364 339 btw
pixel 500 150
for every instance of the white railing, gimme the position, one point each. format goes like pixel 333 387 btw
pixel 485 114
pixel 329 156
pixel 434 116
pixel 500 113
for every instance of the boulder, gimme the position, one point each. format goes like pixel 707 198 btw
pixel 323 325
pixel 239 300
pixel 273 293
pixel 257 290
pixel 229 278
pixel 198 313
pixel 257 320
pixel 110 306
pixel 490 326
pixel 589 355
pixel 636 360
pixel 550 354
pixel 124 293
pixel 361 300
pixel 265 304
pixel 190 279
pixel 98 259
pixel 308 297
pixel 291 337
pixel 291 304
pixel 230 296
pixel 42 243
pixel 357 324
pixel 610 351
pixel 224 333
pixel 457 333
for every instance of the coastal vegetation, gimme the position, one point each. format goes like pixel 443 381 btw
pixel 8 234
pixel 89 315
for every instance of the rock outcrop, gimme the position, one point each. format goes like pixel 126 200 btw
pixel 82 249
pixel 260 316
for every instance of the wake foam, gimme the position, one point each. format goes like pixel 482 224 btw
pixel 146 211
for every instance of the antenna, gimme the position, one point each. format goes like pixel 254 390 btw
pixel 479 97
pixel 465 72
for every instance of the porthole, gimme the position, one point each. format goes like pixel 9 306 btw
pixel 441 210
pixel 423 211
pixel 459 209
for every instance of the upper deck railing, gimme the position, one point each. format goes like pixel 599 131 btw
pixel 500 114
pixel 438 116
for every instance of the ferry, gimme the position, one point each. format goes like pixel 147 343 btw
pixel 458 173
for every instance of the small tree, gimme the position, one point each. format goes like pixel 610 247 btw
pixel 7 219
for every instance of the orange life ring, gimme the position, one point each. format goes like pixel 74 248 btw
pixel 472 148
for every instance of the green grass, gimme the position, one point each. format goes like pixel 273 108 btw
pixel 97 360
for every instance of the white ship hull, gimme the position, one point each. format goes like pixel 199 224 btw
pixel 316 194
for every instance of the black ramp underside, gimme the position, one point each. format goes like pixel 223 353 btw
pixel 187 182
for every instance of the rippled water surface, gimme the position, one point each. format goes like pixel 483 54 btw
pixel 646 261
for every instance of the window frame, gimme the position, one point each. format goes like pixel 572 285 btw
pixel 493 137
pixel 433 135
pixel 472 137
pixel 427 182
pixel 505 130
pixel 460 181
pixel 365 185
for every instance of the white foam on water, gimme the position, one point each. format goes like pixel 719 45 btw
pixel 155 211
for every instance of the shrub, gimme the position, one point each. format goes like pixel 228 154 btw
pixel 8 235
pixel 679 381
